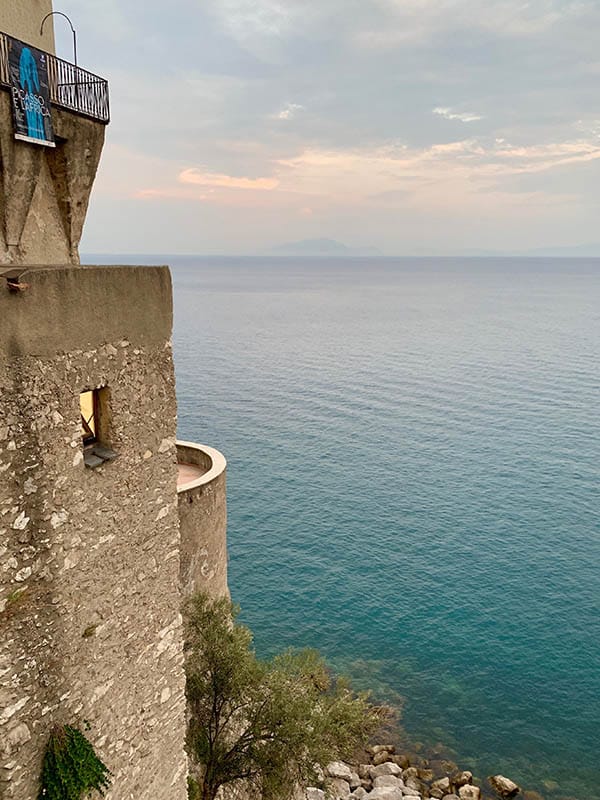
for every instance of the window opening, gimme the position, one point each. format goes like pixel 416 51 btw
pixel 94 405
pixel 87 402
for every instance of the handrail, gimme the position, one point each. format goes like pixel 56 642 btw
pixel 71 87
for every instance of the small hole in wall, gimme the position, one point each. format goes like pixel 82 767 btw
pixel 190 499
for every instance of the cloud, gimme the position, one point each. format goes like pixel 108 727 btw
pixel 289 111
pixel 464 116
pixel 167 194
pixel 406 21
pixel 483 103
pixel 445 174
pixel 194 176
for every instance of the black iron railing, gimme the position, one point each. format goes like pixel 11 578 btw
pixel 70 87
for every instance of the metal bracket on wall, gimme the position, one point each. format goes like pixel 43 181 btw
pixel 13 280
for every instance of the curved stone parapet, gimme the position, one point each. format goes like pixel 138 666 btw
pixel 202 501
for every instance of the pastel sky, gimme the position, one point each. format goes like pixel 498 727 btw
pixel 407 125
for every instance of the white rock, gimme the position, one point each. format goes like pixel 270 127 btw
pixel 337 769
pixel 59 518
pixel 339 788
pixel 165 694
pixel 504 786
pixel 23 574
pixel 385 793
pixel 10 711
pixel 15 738
pixel 443 785
pixel 360 793
pixel 21 522
pixel 312 793
pixel 468 792
pixel 387 780
pixel 389 768
pixel 354 781
pixel 410 791
pixel 462 778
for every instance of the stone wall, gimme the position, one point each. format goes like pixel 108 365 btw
pixel 22 19
pixel 44 191
pixel 90 627
pixel 203 522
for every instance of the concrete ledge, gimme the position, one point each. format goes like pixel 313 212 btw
pixel 70 309
pixel 210 461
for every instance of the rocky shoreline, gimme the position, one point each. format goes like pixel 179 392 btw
pixel 382 774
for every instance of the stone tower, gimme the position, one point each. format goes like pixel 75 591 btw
pixel 105 520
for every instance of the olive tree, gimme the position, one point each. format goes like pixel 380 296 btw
pixel 266 723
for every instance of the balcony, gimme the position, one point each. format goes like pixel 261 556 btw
pixel 197 465
pixel 71 87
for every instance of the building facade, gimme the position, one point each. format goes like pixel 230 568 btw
pixel 45 190
pixel 106 523
pixel 23 18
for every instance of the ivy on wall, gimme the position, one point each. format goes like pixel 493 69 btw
pixel 71 769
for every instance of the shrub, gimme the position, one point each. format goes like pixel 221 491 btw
pixel 266 723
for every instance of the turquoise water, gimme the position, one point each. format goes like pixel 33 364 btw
pixel 414 464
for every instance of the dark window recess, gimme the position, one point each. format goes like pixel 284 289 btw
pixel 95 422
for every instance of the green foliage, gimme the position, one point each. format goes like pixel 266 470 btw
pixel 266 723
pixel 71 768
pixel 15 602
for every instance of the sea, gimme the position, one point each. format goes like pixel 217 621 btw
pixel 413 452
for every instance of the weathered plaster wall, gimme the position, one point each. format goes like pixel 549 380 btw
pixel 22 19
pixel 203 522
pixel 44 192
pixel 89 559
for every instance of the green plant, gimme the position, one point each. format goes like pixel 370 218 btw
pixel 14 602
pixel 71 769
pixel 268 724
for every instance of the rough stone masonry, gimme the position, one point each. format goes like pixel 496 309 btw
pixel 90 630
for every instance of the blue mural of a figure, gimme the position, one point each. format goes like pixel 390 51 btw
pixel 30 83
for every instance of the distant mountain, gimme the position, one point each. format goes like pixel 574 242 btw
pixel 322 247
pixel 579 250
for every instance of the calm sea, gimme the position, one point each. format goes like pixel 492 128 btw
pixel 413 485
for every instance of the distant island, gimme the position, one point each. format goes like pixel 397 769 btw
pixel 322 247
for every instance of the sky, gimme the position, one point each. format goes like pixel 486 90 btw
pixel 412 126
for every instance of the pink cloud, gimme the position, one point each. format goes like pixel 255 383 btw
pixel 196 177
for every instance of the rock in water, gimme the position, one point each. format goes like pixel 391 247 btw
pixel 440 788
pixel 462 778
pixel 503 786
pixel 468 792
pixel 382 748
